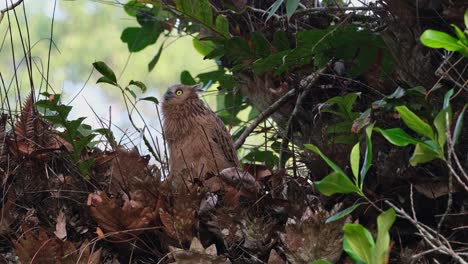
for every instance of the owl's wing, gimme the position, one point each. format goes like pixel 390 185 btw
pixel 223 139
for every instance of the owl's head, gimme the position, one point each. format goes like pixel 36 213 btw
pixel 179 93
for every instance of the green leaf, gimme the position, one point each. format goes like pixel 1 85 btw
pixel 330 163
pixel 138 38
pixel 465 17
pixel 398 137
pixel 343 213
pixel 384 222
pixel 204 47
pixel 359 241
pixel 222 25
pixel 281 40
pixel 440 123
pixel 155 59
pixel 355 158
pixel 273 8
pixel 414 122
pixel 341 127
pixel 459 123
pixel 150 99
pixel 260 43
pixel 422 154
pixel 461 36
pixel 262 156
pixel 437 39
pixel 204 12
pixel 105 70
pixel 104 79
pixel 138 84
pixel 291 6
pixel 132 6
pixel 367 163
pixel 132 93
pixel 186 78
pixel 336 183
pixel 447 97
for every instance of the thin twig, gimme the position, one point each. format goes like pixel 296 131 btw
pixel 11 7
pixel 264 115
pixel 305 85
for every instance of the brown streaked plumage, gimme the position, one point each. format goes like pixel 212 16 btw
pixel 199 143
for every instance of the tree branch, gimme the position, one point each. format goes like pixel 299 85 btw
pixel 305 86
pixel 264 115
pixel 9 8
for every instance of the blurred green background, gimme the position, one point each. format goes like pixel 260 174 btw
pixel 84 32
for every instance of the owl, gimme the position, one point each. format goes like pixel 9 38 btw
pixel 199 144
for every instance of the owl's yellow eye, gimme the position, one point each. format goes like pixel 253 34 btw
pixel 179 92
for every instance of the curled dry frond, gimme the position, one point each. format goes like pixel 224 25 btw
pixel 310 238
pixel 197 254
pixel 39 247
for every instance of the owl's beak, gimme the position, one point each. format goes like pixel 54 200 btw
pixel 198 87
pixel 168 95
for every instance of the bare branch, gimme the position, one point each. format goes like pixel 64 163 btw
pixel 305 86
pixel 264 115
pixel 11 7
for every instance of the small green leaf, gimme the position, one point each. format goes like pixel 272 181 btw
pixel 203 11
pixel 398 137
pixel 367 163
pixel 359 241
pixel 437 39
pixel 336 183
pixel 291 6
pixel 186 78
pixel 273 8
pixel 461 36
pixel 440 123
pixel 204 47
pixel 459 123
pixel 447 97
pixel 330 163
pixel 384 222
pixel 465 17
pixel 104 79
pixel 132 93
pixel 155 59
pixel 355 158
pixel 151 99
pixel 138 84
pixel 261 45
pixel 222 25
pixel 422 154
pixel 138 38
pixel 281 41
pixel 343 213
pixel 105 70
pixel 132 7
pixel 414 122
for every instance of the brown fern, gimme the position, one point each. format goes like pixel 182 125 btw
pixel 26 125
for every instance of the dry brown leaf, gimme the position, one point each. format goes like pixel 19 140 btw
pixel 275 258
pixel 309 238
pixel 38 247
pixel 197 254
pixel 112 217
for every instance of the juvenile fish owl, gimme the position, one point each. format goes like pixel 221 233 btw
pixel 199 143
